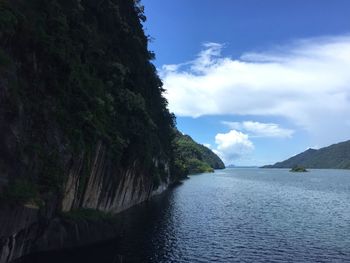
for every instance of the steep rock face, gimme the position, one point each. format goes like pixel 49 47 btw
pixel 17 230
pixel 56 233
pixel 108 190
pixel 26 228
pixel 83 123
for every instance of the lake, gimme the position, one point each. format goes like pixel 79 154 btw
pixel 234 215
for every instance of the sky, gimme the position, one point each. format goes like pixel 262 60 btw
pixel 257 81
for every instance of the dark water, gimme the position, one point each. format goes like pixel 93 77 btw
pixel 235 215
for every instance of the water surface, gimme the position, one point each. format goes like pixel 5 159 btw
pixel 235 215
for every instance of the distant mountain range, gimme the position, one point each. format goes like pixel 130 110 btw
pixel 336 156
pixel 241 166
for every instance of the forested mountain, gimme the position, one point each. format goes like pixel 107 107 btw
pixel 335 156
pixel 83 123
pixel 192 157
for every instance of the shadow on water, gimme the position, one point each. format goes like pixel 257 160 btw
pixel 138 224
pixel 104 252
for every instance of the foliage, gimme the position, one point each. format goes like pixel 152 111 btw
pixel 87 214
pixel 298 169
pixel 22 191
pixel 198 166
pixel 5 61
pixel 191 157
pixel 83 75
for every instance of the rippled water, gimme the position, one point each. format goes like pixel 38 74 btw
pixel 235 215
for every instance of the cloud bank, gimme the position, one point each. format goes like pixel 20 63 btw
pixel 261 130
pixel 306 82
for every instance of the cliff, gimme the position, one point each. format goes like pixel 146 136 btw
pixel 336 156
pixel 83 123
pixel 28 228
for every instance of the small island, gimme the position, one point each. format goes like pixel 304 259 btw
pixel 298 169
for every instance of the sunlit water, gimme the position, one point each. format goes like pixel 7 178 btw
pixel 235 215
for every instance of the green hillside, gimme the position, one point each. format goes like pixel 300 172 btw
pixel 191 157
pixel 336 156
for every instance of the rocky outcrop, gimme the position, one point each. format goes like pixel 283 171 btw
pixel 26 228
pixel 19 227
pixel 106 189
pixel 57 233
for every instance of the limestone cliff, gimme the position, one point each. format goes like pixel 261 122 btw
pixel 26 228
pixel 83 122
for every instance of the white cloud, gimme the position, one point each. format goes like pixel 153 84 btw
pixel 232 145
pixel 171 67
pixel 259 129
pixel 307 82
pixel 206 58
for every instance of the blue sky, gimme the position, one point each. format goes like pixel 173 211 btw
pixel 256 80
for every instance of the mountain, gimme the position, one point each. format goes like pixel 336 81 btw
pixel 191 157
pixel 84 127
pixel 336 156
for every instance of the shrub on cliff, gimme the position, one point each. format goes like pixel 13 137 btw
pixel 80 73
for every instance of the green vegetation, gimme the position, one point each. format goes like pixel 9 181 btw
pixel 74 73
pixel 191 157
pixel 298 169
pixel 198 166
pixel 87 214
pixel 336 156
pixel 22 191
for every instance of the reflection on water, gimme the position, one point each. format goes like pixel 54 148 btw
pixel 234 215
